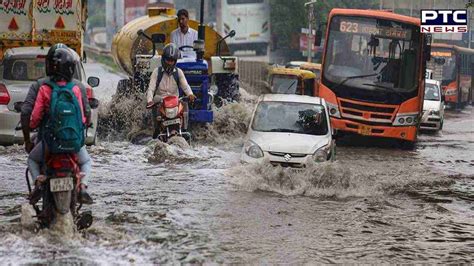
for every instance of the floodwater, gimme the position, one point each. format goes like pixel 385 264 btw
pixel 374 204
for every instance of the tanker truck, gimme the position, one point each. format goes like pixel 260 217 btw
pixel 212 75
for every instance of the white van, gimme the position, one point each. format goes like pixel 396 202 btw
pixel 433 106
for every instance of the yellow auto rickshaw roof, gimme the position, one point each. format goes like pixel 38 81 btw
pixel 300 73
pixel 311 66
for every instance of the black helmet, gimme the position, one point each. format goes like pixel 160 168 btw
pixel 50 55
pixel 60 64
pixel 170 53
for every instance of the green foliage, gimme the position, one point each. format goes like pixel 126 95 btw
pixel 96 13
pixel 289 16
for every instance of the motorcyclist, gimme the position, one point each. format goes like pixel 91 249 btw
pixel 60 67
pixel 166 81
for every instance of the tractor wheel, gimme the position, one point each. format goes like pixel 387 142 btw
pixel 123 87
pixel 228 89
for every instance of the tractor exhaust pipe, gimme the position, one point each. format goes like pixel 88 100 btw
pixel 202 28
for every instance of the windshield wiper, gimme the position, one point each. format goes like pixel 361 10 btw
pixel 283 130
pixel 386 88
pixel 354 77
pixel 291 85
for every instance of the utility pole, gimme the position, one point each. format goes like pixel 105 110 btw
pixel 310 6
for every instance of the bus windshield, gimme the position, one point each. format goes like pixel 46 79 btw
pixel 447 59
pixel 372 55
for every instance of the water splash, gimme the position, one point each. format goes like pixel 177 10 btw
pixel 332 179
pixel 127 117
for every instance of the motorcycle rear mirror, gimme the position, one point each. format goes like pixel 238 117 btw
pixel 232 33
pixel 17 106
pixel 158 38
pixel 93 81
pixel 94 103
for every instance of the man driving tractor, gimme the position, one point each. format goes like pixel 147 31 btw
pixel 184 35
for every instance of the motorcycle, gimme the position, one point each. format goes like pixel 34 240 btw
pixel 172 118
pixel 59 192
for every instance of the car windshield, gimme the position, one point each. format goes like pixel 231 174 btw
pixel 26 69
pixel 372 54
pixel 284 84
pixel 290 117
pixel 432 92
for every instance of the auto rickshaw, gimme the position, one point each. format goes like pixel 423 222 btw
pixel 313 67
pixel 292 81
pixel 310 66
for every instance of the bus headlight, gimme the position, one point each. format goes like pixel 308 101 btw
pixel 406 119
pixel 333 110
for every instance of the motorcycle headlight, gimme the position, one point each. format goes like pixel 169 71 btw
pixel 406 119
pixel 321 155
pixel 253 150
pixel 213 90
pixel 333 110
pixel 172 112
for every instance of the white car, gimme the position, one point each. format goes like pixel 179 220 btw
pixel 289 130
pixel 433 106
pixel 19 68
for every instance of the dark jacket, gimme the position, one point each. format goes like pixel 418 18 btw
pixel 30 99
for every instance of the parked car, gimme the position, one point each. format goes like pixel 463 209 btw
pixel 289 130
pixel 433 106
pixel 19 68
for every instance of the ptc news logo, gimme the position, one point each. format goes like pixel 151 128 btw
pixel 444 21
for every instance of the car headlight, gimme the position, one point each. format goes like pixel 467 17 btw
pixel 172 112
pixel 406 119
pixel 333 110
pixel 253 150
pixel 321 155
pixel 434 112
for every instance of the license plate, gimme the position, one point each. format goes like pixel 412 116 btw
pixel 61 184
pixel 365 130
pixel 171 122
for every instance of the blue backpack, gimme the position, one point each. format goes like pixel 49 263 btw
pixel 63 131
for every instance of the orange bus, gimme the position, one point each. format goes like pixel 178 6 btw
pixel 454 67
pixel 373 72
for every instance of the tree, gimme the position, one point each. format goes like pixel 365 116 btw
pixel 289 16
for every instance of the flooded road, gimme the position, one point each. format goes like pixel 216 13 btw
pixel 375 204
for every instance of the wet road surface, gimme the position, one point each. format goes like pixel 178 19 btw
pixel 375 204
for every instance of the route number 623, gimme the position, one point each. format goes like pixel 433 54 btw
pixel 349 27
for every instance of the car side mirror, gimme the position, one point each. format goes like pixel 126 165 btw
pixel 94 103
pixel 318 38
pixel 334 133
pixel 93 81
pixel 17 106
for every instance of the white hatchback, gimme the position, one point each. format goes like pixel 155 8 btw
pixel 289 130
pixel 433 106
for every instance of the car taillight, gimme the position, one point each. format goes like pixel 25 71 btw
pixel 89 92
pixel 4 95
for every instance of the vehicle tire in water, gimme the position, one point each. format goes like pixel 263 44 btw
pixel 228 89
pixel 123 87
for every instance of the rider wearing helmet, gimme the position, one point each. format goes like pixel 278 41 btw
pixel 28 104
pixel 60 68
pixel 167 80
